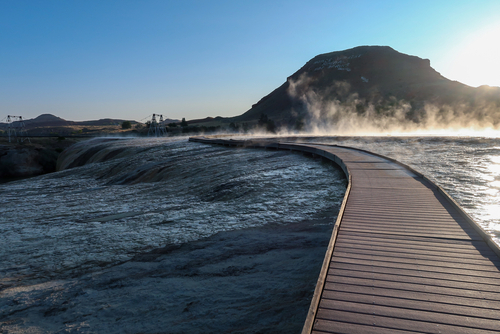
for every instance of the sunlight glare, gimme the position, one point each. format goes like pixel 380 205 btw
pixel 462 132
pixel 494 184
pixel 494 168
pixel 474 62
pixel 492 211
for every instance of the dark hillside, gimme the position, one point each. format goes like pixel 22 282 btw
pixel 376 77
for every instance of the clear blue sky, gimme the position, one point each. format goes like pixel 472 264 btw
pixel 88 59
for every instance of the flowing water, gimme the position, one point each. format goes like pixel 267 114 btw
pixel 164 235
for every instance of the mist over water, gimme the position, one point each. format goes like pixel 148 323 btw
pixel 335 110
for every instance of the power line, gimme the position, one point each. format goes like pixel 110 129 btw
pixel 17 129
pixel 148 116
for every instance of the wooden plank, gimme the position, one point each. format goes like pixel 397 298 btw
pixel 426 319
pixel 417 243
pixel 406 224
pixel 400 248
pixel 400 226
pixel 380 195
pixel 414 231
pixel 327 319
pixel 417 201
pixel 387 211
pixel 418 246
pixel 422 189
pixel 377 166
pixel 409 221
pixel 386 183
pixel 422 255
pixel 416 261
pixel 365 201
pixel 368 206
pixel 344 327
pixel 435 282
pixel 491 282
pixel 450 301
pixel 449 243
pixel 429 234
pixel 423 267
pixel 415 287
pixel 391 204
pixel 380 172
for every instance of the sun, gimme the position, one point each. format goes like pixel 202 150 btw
pixel 475 61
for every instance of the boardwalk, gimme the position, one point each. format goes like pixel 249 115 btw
pixel 403 256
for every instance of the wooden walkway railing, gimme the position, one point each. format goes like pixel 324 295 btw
pixel 403 256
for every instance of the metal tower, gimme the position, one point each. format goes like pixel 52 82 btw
pixel 157 128
pixel 17 129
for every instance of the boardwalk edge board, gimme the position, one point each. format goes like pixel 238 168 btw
pixel 318 291
pixel 314 150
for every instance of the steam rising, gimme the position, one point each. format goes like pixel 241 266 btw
pixel 335 111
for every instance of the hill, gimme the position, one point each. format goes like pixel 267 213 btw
pixel 48 124
pixel 47 120
pixel 375 85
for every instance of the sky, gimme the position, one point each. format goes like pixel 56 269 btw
pixel 85 59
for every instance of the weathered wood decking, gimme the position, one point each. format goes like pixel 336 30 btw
pixel 403 256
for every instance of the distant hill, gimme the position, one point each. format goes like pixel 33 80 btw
pixel 48 124
pixel 206 120
pixel 49 120
pixel 374 83
pixel 103 122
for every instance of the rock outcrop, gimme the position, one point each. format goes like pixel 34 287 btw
pixel 31 158
pixel 26 161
